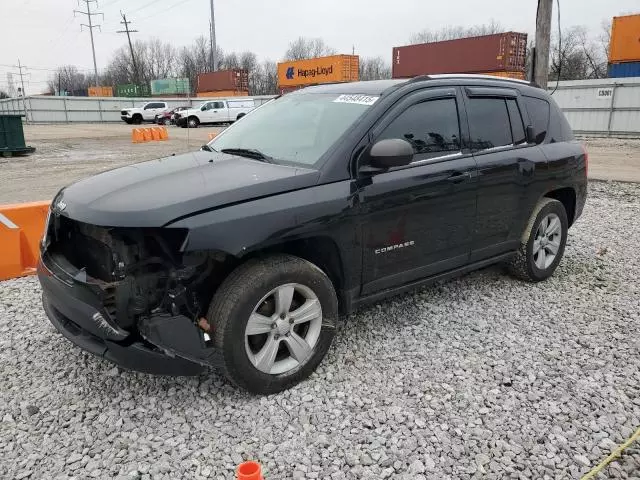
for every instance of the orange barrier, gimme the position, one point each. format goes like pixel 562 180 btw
pixel 141 135
pixel 212 136
pixel 249 471
pixel 137 136
pixel 21 228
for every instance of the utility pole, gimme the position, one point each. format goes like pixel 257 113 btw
pixel 91 26
pixel 543 42
pixel 214 47
pixel 133 58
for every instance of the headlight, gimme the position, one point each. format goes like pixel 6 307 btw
pixel 44 242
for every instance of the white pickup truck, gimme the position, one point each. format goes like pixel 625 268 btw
pixel 146 113
pixel 215 111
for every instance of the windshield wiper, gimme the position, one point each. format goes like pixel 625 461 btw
pixel 249 153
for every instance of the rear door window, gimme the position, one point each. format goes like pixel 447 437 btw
pixel 431 127
pixel 515 118
pixel 488 123
pixel 538 110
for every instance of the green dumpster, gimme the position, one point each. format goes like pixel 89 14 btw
pixel 12 136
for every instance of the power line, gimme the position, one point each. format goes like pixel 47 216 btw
pixel 91 26
pixel 166 9
pixel 128 32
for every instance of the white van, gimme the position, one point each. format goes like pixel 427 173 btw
pixel 216 111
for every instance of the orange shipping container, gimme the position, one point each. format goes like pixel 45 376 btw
pixel 101 91
pixel 224 93
pixel 336 68
pixel 625 39
pixel 516 75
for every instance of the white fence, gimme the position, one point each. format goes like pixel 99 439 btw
pixel 45 109
pixel 609 106
pixel 593 107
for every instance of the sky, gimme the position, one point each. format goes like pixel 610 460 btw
pixel 44 34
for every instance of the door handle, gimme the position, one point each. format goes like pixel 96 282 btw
pixel 459 177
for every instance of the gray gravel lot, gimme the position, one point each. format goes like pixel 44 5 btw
pixel 480 377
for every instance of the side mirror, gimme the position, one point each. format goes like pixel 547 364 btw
pixel 203 108
pixel 206 148
pixel 531 134
pixel 393 152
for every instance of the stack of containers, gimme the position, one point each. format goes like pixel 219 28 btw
pixel 176 87
pixel 101 91
pixel 624 47
pixel 223 83
pixel 333 69
pixel 132 90
pixel 501 54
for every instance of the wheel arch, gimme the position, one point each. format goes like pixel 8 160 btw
pixel 567 196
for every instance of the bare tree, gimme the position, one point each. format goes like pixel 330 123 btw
pixel 454 32
pixel 194 60
pixel 374 68
pixel 68 79
pixel 578 56
pixel 264 80
pixel 304 48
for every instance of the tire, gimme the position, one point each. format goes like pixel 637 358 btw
pixel 193 122
pixel 246 293
pixel 137 119
pixel 129 121
pixel 166 121
pixel 533 263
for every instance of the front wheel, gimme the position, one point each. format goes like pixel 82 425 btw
pixel 543 242
pixel 273 320
pixel 166 121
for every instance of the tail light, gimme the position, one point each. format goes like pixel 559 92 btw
pixel 586 160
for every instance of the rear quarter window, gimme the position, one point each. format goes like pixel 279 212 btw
pixel 538 110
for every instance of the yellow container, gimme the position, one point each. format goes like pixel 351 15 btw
pixel 336 68
pixel 516 75
pixel 625 39
pixel 101 91
pixel 224 93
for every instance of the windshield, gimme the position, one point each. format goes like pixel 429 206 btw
pixel 296 128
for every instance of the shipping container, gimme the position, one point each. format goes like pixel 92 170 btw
pixel 170 86
pixel 224 93
pixel 234 79
pixel 624 70
pixel 132 90
pixel 488 53
pixel 518 75
pixel 101 91
pixel 336 68
pixel 625 39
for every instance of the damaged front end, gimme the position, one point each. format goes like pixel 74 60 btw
pixel 129 286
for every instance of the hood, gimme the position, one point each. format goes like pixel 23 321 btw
pixel 155 193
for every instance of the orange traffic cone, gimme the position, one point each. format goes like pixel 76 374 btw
pixel 249 471
pixel 146 133
pixel 155 133
pixel 164 133
pixel 212 136
pixel 137 136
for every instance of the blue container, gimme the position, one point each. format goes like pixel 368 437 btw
pixel 624 70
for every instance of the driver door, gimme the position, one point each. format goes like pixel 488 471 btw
pixel 418 219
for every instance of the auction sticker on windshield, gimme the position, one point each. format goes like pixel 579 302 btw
pixel 359 99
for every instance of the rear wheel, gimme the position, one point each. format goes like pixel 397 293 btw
pixel 193 122
pixel 543 242
pixel 274 320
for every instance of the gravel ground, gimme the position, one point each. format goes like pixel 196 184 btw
pixel 480 377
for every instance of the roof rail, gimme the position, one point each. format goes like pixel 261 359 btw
pixel 471 75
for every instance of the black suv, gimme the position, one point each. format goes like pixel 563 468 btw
pixel 242 255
